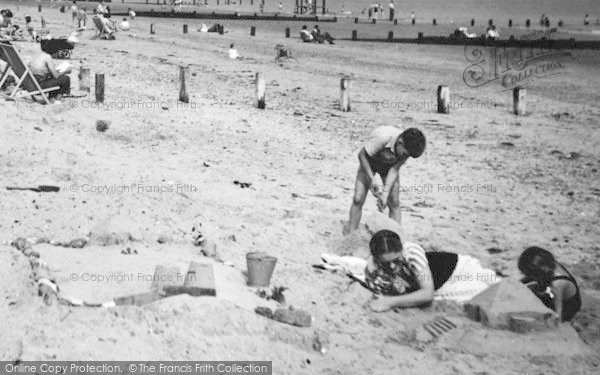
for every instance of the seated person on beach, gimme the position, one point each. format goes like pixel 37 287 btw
pixel 387 149
pixel 306 35
pixel 233 53
pixel 492 33
pixel 462 32
pixel 125 26
pixel 404 275
pixel 7 29
pixel 46 74
pixel 552 282
pixel 109 26
pixel 321 38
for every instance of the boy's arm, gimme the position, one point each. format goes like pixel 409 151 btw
pixel 558 287
pixel 391 177
pixel 417 298
pixel 364 163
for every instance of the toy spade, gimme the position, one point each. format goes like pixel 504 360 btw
pixel 39 189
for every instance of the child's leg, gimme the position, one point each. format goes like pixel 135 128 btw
pixel 394 202
pixel 361 188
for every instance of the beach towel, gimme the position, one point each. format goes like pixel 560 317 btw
pixel 468 279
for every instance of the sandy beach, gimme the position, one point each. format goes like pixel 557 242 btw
pixel 166 169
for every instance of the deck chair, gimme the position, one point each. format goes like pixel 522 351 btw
pixel 103 33
pixel 7 71
pixel 23 76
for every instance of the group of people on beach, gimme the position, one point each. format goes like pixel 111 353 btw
pixel 315 36
pixel 403 274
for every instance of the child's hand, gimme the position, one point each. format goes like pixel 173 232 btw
pixel 379 305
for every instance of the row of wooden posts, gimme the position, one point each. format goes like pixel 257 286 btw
pixel 413 21
pixel 443 92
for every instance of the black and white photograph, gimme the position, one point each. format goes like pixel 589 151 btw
pixel 299 187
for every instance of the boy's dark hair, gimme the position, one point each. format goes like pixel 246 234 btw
pixel 414 142
pixel 537 263
pixel 385 241
pixel 27 19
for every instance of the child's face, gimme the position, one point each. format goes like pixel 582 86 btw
pixel 390 262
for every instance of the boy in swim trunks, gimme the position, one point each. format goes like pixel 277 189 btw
pixel 386 151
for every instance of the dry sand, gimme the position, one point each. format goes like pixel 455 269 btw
pixel 300 157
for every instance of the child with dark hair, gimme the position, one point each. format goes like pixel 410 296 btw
pixel 551 282
pixel 386 151
pixel 406 276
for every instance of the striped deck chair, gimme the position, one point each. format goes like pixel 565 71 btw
pixel 25 80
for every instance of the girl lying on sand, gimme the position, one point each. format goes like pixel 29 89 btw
pixel 403 275
pixel 550 281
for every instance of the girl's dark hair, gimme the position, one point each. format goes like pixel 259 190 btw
pixel 537 263
pixel 385 241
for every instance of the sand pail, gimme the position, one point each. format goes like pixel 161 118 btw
pixel 260 268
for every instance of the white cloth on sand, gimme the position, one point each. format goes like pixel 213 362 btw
pixel 468 279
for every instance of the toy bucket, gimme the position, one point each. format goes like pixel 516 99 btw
pixel 260 268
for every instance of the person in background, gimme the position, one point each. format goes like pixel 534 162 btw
pixel 74 11
pixel 131 13
pixel 124 25
pixel 42 67
pixel 30 29
pixel 233 53
pixel 81 18
pixel 321 38
pixel 305 35
pixel 392 10
pixel 101 9
pixel 550 281
pixel 280 7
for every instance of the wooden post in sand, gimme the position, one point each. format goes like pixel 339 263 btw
pixel 43 23
pixel 354 35
pixel 519 101
pixel 152 29
pixel 345 94
pixel 443 99
pixel 287 32
pixel 260 91
pixel 390 36
pixel 85 75
pixel 252 30
pixel 99 88
pixel 39 8
pixel 185 29
pixel 183 95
